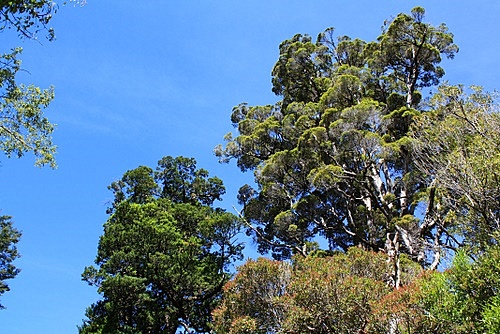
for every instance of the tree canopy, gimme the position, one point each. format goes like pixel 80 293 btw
pixel 457 145
pixel 334 158
pixel 23 125
pixel 356 154
pixel 165 252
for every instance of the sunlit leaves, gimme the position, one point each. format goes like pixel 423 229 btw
pixel 251 299
pixel 412 51
pixel 23 126
pixel 334 156
pixel 459 145
pixel 28 17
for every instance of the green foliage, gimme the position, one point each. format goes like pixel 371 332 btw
pixel 490 318
pixel 9 237
pixel 164 256
pixel 183 184
pixel 458 144
pixel 335 153
pixel 413 49
pixel 463 299
pixel 349 293
pixel 29 17
pixel 472 294
pixel 23 127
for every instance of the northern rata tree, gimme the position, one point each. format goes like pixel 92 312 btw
pixel 162 260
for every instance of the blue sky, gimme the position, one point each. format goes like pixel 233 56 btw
pixel 139 80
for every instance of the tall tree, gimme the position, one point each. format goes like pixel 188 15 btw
pixel 333 157
pixel 164 255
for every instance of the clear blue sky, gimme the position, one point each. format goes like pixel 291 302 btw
pixel 139 80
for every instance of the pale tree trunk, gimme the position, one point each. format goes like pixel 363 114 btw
pixel 392 248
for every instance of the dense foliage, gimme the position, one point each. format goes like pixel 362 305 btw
pixel 348 293
pixel 333 158
pixel 353 153
pixel 457 145
pixel 164 255
pixel 339 293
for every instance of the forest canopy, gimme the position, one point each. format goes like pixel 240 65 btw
pixel 375 199
pixel 394 176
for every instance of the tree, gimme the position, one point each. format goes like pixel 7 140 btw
pixel 252 299
pixel 333 157
pixel 349 293
pixel 457 145
pixel 9 237
pixel 23 126
pixel 27 17
pixel 462 299
pixel 164 255
pixel 411 51
pixel 326 292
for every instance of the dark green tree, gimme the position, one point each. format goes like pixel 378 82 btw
pixel 410 51
pixel 333 157
pixel 164 255
pixel 9 237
